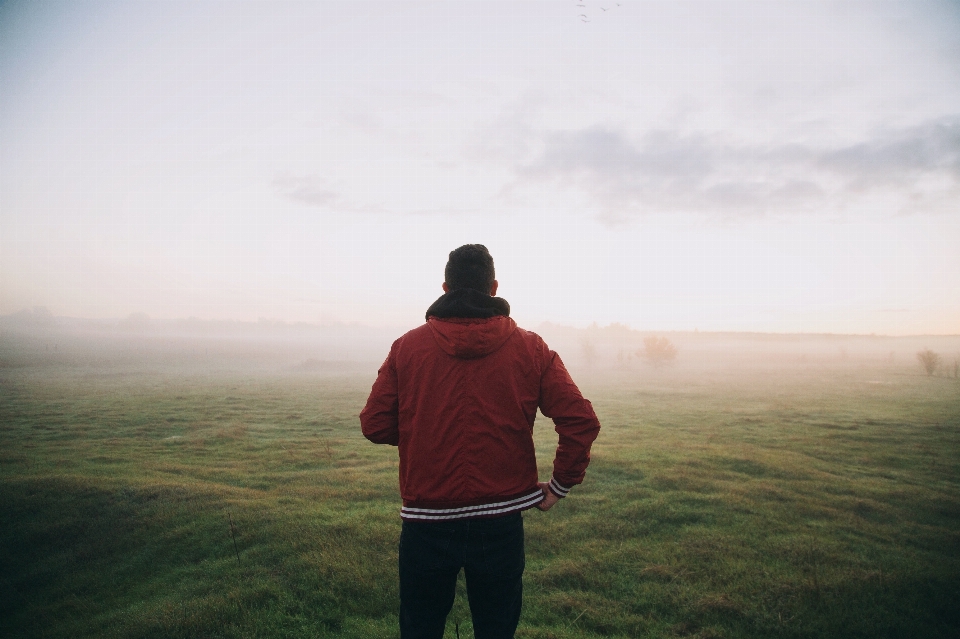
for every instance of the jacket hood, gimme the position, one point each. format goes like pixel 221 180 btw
pixel 468 302
pixel 470 338
pixel 469 324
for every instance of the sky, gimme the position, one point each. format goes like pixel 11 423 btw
pixel 776 166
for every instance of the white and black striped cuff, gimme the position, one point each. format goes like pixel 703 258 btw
pixel 557 489
pixel 483 510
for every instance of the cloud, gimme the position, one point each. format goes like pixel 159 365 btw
pixel 315 191
pixel 312 190
pixel 901 155
pixel 910 169
pixel 619 176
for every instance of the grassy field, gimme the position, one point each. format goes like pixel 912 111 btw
pixel 146 500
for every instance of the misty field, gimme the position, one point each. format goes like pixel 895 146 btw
pixel 143 498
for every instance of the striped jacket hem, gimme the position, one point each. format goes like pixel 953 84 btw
pixel 492 509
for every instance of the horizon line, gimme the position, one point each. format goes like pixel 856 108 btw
pixel 34 319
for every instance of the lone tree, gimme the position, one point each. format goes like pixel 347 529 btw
pixel 929 360
pixel 658 351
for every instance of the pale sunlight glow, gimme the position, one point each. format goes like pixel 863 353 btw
pixel 727 166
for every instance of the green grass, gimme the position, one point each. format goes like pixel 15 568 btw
pixel 815 502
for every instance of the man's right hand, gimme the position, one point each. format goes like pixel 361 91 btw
pixel 549 499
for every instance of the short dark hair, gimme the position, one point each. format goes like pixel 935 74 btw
pixel 470 266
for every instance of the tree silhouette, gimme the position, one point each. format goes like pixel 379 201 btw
pixel 928 360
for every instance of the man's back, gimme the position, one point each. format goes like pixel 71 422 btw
pixel 459 396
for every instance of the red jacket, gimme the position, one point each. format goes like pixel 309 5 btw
pixel 459 397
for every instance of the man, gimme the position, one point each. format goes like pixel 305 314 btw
pixel 459 396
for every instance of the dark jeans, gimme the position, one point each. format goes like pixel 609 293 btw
pixel 490 551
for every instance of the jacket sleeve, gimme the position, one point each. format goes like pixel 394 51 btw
pixel 574 420
pixel 379 419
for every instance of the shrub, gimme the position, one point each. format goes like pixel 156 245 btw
pixel 928 360
pixel 658 351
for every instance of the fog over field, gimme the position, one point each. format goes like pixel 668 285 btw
pixel 137 343
pixel 192 478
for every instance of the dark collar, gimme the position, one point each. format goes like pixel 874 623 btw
pixel 468 302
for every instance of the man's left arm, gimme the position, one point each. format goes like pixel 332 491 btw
pixel 379 419
pixel 575 423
